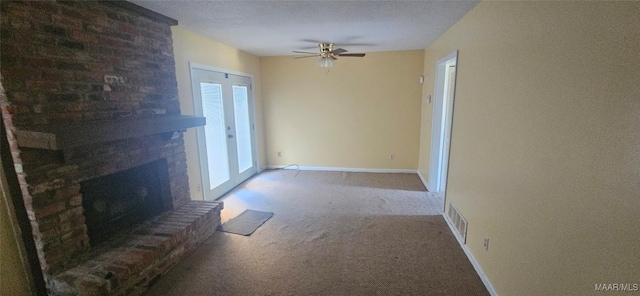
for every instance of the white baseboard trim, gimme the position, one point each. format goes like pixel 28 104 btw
pixel 424 182
pixel 473 261
pixel 339 169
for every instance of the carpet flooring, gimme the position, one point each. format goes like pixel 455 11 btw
pixel 332 233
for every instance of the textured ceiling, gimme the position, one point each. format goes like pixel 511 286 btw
pixel 275 28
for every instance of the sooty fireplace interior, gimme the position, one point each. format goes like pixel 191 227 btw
pixel 117 201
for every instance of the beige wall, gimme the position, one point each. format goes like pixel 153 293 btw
pixel 354 116
pixel 545 155
pixel 14 272
pixel 426 119
pixel 191 47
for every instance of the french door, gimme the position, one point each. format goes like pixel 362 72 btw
pixel 226 143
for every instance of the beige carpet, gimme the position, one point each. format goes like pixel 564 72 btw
pixel 333 233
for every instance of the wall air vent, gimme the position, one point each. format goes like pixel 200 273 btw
pixel 459 223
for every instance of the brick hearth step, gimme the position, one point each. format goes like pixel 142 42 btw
pixel 129 263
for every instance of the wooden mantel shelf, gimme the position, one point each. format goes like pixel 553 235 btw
pixel 64 136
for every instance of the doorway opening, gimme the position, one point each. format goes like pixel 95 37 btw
pixel 227 143
pixel 444 95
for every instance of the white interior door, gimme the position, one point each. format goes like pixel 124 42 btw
pixel 449 92
pixel 444 94
pixel 226 144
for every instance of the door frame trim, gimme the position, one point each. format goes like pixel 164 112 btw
pixel 438 93
pixel 193 65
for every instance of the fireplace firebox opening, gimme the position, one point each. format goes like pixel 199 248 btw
pixel 117 201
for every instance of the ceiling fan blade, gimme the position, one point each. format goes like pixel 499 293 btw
pixel 295 51
pixel 333 57
pixel 303 57
pixel 338 51
pixel 351 55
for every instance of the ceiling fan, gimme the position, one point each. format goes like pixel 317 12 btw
pixel 328 55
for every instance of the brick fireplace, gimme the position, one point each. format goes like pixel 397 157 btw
pixel 91 110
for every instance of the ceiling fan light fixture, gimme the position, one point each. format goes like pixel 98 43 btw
pixel 325 62
pixel 327 56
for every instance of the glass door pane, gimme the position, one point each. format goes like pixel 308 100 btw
pixel 243 128
pixel 215 133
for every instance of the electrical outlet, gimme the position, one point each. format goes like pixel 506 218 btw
pixel 279 154
pixel 199 188
pixel 486 244
pixel 391 156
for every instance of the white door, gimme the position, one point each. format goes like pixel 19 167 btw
pixel 444 94
pixel 449 92
pixel 226 144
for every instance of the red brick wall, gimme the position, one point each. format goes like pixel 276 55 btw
pixel 53 59
pixel 55 56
